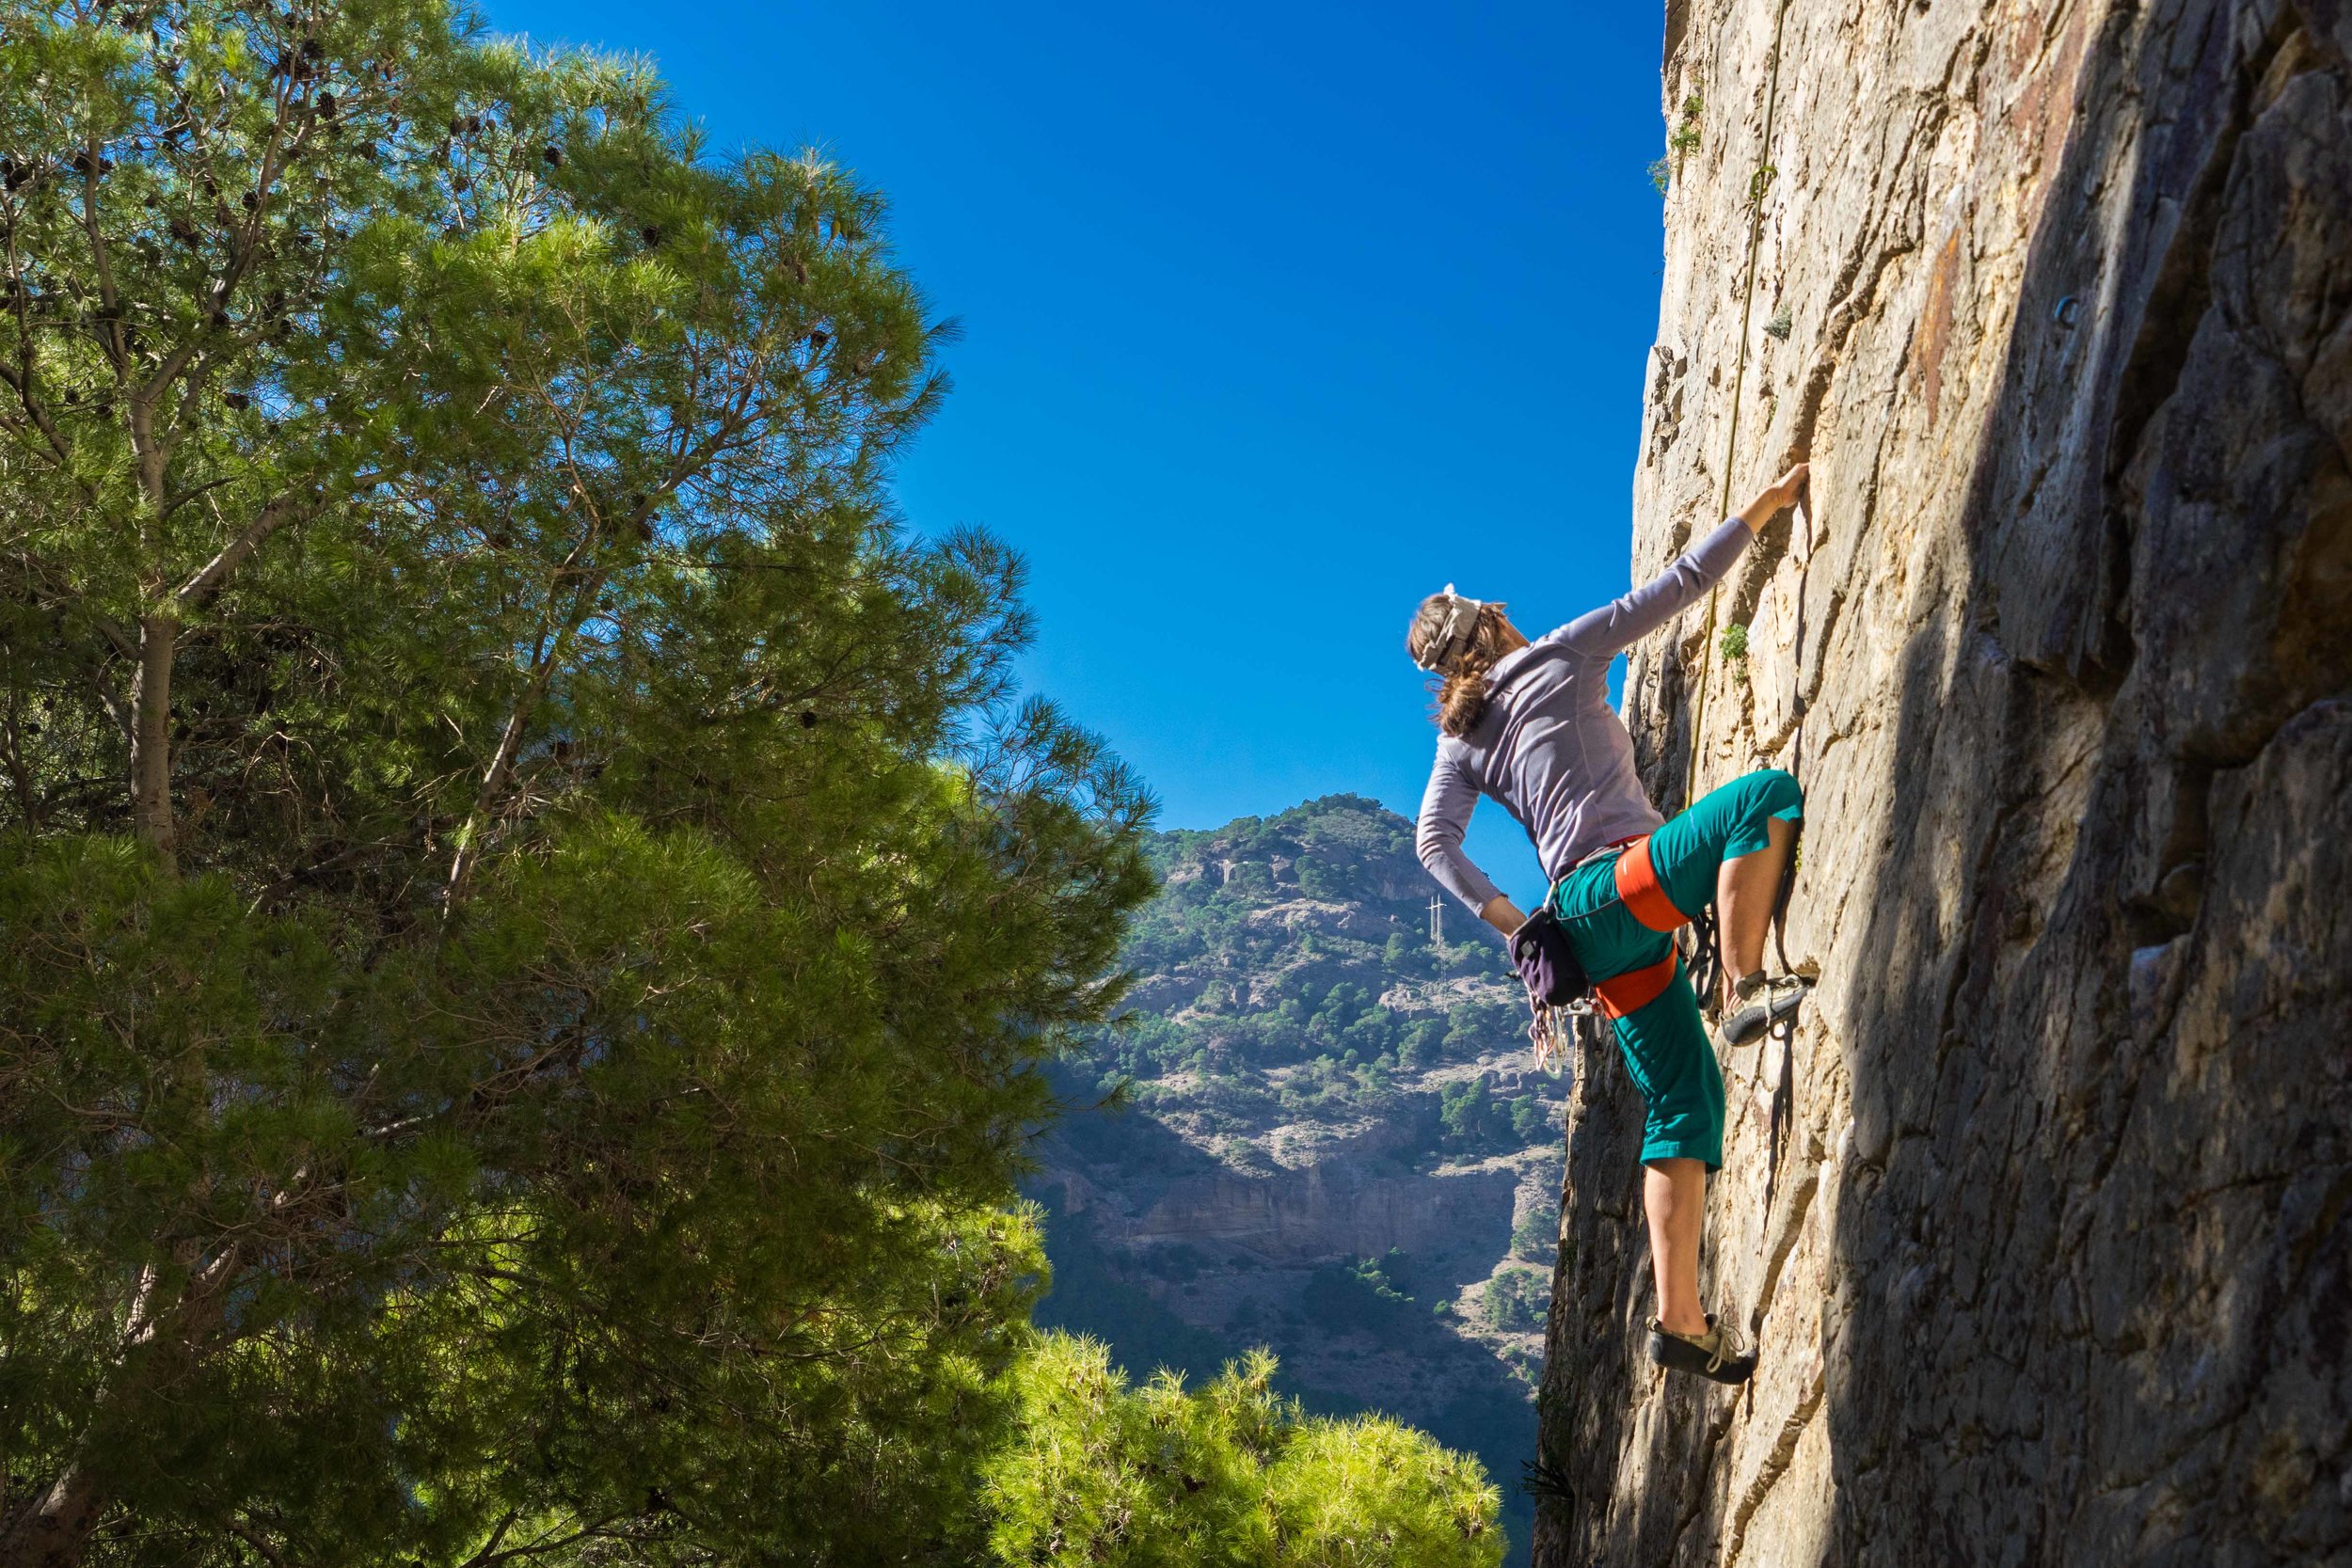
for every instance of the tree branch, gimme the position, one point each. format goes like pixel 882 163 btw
pixel 487 1558
pixel 108 298
pixel 253 1538
pixel 280 511
pixel 19 381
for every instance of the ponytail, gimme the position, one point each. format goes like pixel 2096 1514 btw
pixel 1462 657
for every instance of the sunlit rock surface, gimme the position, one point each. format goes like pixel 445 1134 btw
pixel 2040 1218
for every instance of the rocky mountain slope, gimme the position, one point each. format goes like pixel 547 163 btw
pixel 1336 1145
pixel 2039 1216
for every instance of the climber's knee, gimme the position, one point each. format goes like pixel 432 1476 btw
pixel 1779 793
pixel 1671 1060
pixel 1734 819
pixel 1764 796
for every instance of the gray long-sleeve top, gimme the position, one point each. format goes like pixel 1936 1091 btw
pixel 1548 746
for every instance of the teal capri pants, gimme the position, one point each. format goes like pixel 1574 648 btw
pixel 1665 1043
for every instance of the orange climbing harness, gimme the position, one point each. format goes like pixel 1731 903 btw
pixel 1635 989
pixel 1645 900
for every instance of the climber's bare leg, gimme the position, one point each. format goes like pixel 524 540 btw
pixel 1673 1196
pixel 1746 891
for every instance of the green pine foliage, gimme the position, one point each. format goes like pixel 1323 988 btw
pixel 1229 1473
pixel 531 920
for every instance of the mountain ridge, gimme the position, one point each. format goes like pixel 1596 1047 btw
pixel 1334 1143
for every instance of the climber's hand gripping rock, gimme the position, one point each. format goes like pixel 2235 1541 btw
pixel 1783 492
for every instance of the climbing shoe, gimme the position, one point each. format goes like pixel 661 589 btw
pixel 1717 1353
pixel 1758 1002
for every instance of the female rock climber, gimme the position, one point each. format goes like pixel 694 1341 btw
pixel 1529 723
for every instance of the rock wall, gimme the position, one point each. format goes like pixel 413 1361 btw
pixel 2039 1217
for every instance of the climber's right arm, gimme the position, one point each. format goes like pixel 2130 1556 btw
pixel 1502 915
pixel 1607 631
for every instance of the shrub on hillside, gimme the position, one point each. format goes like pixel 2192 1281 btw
pixel 1515 1300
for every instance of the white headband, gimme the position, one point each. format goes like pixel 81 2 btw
pixel 1461 620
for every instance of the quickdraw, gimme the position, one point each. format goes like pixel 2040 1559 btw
pixel 1545 1033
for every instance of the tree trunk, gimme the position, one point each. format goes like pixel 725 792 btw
pixel 151 735
pixel 50 1527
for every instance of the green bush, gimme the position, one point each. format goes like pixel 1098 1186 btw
pixel 1229 1474
pixel 1527 1119
pixel 1361 1293
pixel 1536 1236
pixel 1684 141
pixel 1472 1120
pixel 1515 1300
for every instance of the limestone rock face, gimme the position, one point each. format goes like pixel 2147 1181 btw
pixel 2039 1217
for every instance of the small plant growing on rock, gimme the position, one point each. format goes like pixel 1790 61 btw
pixel 1780 325
pixel 1686 137
pixel 1684 141
pixel 1734 645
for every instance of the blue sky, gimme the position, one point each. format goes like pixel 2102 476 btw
pixel 1276 318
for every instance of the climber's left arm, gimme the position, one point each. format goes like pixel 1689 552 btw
pixel 1603 633
pixel 1783 492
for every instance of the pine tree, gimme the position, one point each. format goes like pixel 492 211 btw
pixel 526 918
